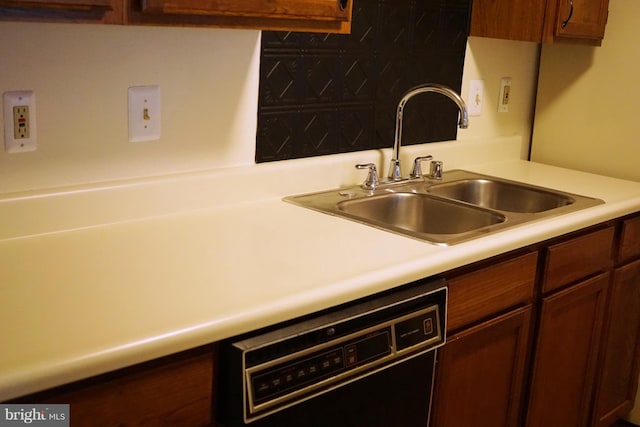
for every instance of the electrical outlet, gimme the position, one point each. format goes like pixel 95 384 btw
pixel 19 121
pixel 505 95
pixel 144 113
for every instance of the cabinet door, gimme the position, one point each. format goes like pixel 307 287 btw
pixel 566 354
pixel 68 10
pixel 619 373
pixel 508 19
pixel 577 19
pixel 326 16
pixel 481 373
pixel 293 9
pixel 176 390
pixel 58 4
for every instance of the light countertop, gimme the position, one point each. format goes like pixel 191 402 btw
pixel 93 289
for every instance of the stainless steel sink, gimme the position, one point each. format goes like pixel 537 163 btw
pixel 462 206
pixel 501 195
pixel 419 213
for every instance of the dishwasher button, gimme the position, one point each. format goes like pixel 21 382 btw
pixel 352 355
pixel 428 326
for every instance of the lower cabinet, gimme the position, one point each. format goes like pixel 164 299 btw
pixel 487 378
pixel 173 391
pixel 617 382
pixel 546 339
pixel 482 371
pixel 566 353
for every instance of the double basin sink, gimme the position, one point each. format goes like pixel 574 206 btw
pixel 461 206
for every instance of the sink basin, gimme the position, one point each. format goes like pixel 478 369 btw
pixel 462 206
pixel 419 213
pixel 501 195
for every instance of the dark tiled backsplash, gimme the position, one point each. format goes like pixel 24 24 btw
pixel 328 93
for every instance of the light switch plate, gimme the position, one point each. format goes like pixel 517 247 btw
pixel 144 113
pixel 476 94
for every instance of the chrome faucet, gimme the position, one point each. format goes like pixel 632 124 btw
pixel 394 169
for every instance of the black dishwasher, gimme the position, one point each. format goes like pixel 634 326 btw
pixel 365 364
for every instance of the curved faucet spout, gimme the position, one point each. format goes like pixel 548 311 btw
pixel 463 122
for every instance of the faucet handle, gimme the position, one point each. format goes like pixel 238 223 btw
pixel 371 183
pixel 417 167
pixel 435 172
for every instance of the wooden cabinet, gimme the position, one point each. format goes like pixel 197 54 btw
pixel 482 368
pixel 106 11
pixel 580 21
pixel 618 378
pixel 481 373
pixel 546 338
pixel 327 10
pixel 296 15
pixel 574 284
pixel 620 365
pixel 173 391
pixel 508 19
pixel 564 363
pixel 573 21
pixel 333 16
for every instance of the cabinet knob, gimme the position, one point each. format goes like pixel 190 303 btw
pixel 343 4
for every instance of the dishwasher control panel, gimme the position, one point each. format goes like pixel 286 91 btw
pixel 267 383
pixel 284 366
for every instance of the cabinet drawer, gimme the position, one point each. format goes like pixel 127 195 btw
pixel 577 258
pixel 629 240
pixel 487 291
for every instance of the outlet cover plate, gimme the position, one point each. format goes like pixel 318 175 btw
pixel 505 95
pixel 144 113
pixel 19 108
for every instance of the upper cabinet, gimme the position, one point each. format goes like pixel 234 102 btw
pixel 106 11
pixel 576 21
pixel 332 16
pixel 325 10
pixel 553 21
pixel 508 19
pixel 290 15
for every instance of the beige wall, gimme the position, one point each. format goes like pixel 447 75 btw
pixel 208 79
pixel 80 74
pixel 490 60
pixel 587 116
